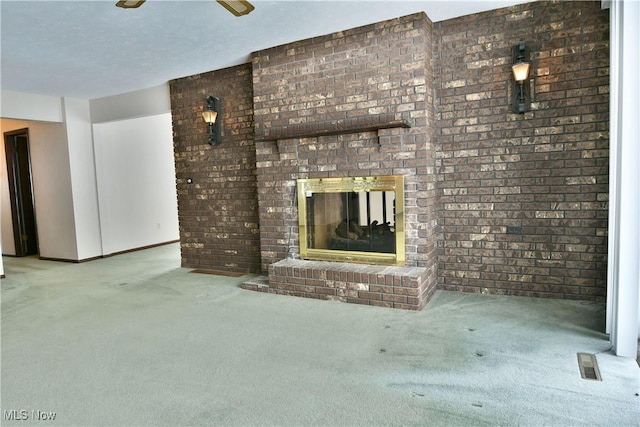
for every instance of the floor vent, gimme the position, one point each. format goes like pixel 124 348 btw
pixel 219 273
pixel 589 366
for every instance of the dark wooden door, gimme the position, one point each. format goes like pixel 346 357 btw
pixel 20 192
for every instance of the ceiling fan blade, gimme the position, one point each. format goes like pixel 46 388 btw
pixel 237 7
pixel 130 4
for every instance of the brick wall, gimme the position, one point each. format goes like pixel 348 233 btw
pixel 378 70
pixel 496 202
pixel 523 198
pixel 218 211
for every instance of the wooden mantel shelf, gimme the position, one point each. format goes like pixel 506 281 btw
pixel 334 127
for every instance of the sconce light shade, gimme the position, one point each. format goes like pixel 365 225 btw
pixel 521 71
pixel 210 116
pixel 520 68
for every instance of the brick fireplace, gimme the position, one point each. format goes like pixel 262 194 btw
pixel 494 202
pixel 352 104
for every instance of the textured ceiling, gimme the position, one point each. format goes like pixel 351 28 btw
pixel 90 49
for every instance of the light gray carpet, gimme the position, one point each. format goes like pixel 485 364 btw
pixel 136 340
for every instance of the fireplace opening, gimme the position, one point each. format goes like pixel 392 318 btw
pixel 355 219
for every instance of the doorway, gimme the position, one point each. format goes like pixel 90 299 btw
pixel 21 192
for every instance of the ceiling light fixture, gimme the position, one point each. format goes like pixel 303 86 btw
pixel 211 115
pixel 130 4
pixel 237 7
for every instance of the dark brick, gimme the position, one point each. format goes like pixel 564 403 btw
pixel 547 153
pixel 472 168
pixel 218 212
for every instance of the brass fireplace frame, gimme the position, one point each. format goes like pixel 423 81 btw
pixel 395 183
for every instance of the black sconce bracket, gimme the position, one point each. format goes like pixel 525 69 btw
pixel 215 127
pixel 521 93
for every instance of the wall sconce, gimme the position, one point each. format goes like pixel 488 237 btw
pixel 210 115
pixel 520 68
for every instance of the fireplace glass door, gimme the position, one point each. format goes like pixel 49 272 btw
pixel 352 219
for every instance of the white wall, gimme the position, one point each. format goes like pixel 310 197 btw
pixel 136 182
pixel 83 177
pixel 95 194
pixel 2 184
pixel 27 106
pixel 6 226
pixel 51 190
pixel 623 284
pixel 141 103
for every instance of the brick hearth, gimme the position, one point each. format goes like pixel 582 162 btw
pixel 382 286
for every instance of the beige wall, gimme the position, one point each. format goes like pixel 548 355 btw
pixel 51 190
